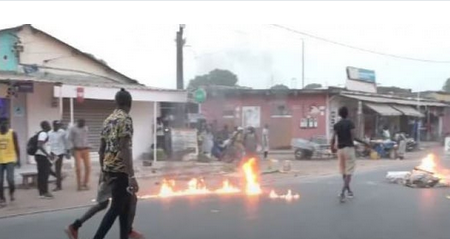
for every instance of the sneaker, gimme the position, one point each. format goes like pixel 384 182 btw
pixel 12 197
pixel 350 195
pixel 2 203
pixel 57 189
pixel 342 198
pixel 135 235
pixel 46 196
pixel 71 232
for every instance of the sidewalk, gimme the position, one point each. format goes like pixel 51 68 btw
pixel 27 201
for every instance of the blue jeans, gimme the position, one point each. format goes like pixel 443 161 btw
pixel 9 168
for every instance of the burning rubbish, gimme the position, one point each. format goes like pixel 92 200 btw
pixel 428 174
pixel 288 196
pixel 197 186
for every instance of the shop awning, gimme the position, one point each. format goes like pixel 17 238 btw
pixel 408 110
pixel 383 109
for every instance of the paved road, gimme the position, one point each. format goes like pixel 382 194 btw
pixel 379 211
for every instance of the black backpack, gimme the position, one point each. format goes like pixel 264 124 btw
pixel 32 144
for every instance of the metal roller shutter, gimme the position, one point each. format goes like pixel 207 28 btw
pixel 94 112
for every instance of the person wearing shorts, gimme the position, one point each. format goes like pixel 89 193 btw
pixel 344 133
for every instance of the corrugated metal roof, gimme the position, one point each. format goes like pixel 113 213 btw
pixel 383 109
pixel 392 100
pixel 408 110
pixel 77 80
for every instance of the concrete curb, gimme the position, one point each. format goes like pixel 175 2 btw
pixel 44 211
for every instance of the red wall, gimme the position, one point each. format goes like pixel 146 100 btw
pixel 299 106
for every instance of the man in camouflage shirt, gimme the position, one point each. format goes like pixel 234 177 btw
pixel 117 164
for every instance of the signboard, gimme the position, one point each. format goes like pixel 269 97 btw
pixel 360 74
pixel 24 87
pixel 251 116
pixel 361 80
pixel 185 140
pixel 80 94
pixel 199 95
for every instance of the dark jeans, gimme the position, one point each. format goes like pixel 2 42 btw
pixel 102 206
pixel 9 168
pixel 58 170
pixel 120 205
pixel 43 168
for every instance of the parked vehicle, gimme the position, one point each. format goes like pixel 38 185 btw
pixel 317 147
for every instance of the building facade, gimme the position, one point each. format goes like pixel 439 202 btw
pixel 43 78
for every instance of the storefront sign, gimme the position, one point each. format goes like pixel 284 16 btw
pixel 361 80
pixel 24 87
pixel 80 94
pixel 361 74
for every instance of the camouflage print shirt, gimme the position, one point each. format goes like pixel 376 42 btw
pixel 118 125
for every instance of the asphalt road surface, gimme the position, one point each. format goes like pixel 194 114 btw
pixel 378 211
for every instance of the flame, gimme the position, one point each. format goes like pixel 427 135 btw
pixel 227 188
pixel 289 196
pixel 428 164
pixel 197 186
pixel 431 165
pixel 252 186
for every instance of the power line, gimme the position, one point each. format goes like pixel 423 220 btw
pixel 357 48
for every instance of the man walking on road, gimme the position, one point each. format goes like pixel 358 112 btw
pixel 116 151
pixel 78 138
pixel 9 158
pixel 58 149
pixel 344 131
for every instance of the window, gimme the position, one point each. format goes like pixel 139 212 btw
pixel 308 123
pixel 280 109
pixel 228 111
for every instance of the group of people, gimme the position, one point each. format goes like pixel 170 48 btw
pixel 243 141
pixel 49 147
pixel 53 144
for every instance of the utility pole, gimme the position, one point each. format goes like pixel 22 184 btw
pixel 180 43
pixel 180 114
pixel 303 63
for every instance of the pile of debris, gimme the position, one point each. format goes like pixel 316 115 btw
pixel 426 175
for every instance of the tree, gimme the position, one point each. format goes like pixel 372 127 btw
pixel 446 86
pixel 214 77
pixel 313 86
pixel 279 87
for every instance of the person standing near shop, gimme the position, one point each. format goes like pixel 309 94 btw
pixel 43 160
pixel 116 151
pixel 9 158
pixel 58 148
pixel 78 138
pixel 265 141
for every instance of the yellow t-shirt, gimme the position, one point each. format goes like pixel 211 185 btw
pixel 7 148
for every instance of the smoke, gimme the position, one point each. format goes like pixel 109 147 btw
pixel 252 65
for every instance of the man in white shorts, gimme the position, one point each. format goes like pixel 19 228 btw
pixel 344 132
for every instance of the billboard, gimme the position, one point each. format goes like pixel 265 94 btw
pixel 361 80
pixel 354 73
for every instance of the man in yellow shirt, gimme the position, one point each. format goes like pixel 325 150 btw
pixel 9 158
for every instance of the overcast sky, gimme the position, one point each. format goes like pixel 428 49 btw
pixel 140 43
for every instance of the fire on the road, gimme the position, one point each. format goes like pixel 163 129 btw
pixel 197 186
pixel 430 164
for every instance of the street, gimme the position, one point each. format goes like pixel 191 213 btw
pixel 378 211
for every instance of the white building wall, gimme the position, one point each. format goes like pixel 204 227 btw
pixel 38 48
pixel 39 107
pixel 142 114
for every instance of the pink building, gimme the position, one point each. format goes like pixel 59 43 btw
pixel 289 113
